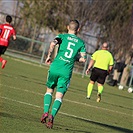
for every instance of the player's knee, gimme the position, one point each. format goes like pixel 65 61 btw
pixel 59 95
pixel 49 90
pixel 92 82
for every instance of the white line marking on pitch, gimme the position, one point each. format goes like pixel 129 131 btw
pixel 32 105
pixel 79 103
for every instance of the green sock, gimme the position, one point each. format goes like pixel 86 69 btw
pixel 89 89
pixel 56 106
pixel 47 102
pixel 100 89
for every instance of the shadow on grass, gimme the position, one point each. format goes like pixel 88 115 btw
pixel 55 128
pixel 117 129
pixel 120 129
pixel 68 129
pixel 63 128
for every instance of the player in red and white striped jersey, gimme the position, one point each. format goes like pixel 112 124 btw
pixel 6 31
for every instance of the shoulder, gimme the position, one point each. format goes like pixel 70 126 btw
pixel 97 52
pixel 1 25
pixel 61 35
pixel 109 53
pixel 80 40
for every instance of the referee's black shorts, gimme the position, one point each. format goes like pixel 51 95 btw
pixel 98 75
pixel 2 49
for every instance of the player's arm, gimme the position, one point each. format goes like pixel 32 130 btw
pixel 111 65
pixel 51 49
pixel 82 57
pixel 90 66
pixel 14 34
pixel 14 37
pixel 110 69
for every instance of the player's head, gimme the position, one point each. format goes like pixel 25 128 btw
pixel 105 46
pixel 73 25
pixel 8 19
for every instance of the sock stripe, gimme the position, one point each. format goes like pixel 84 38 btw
pixel 48 93
pixel 58 99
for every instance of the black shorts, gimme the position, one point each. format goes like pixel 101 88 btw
pixel 2 49
pixel 98 75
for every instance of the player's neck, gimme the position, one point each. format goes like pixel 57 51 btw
pixel 7 23
pixel 71 32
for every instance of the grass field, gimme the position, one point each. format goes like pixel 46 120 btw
pixel 22 87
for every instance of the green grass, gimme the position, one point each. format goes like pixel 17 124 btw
pixel 22 86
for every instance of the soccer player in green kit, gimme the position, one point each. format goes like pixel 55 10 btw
pixel 60 72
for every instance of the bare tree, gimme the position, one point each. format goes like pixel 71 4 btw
pixel 114 17
pixel 54 14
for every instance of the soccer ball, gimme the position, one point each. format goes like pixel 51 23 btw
pixel 120 87
pixel 130 90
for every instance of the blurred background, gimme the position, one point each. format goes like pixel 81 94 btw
pixel 38 22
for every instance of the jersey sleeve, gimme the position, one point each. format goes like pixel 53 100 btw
pixel 94 55
pixel 83 49
pixel 13 32
pixel 58 38
pixel 111 61
pixel 0 26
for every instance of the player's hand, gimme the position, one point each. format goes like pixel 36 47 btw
pixel 87 71
pixel 108 72
pixel 48 61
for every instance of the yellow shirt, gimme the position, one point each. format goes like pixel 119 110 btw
pixel 103 59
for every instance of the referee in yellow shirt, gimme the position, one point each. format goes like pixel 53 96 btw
pixel 102 62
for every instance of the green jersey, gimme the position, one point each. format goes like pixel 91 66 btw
pixel 68 50
pixel 103 59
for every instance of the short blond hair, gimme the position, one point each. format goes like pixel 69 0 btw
pixel 74 25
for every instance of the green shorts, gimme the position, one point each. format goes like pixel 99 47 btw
pixel 59 81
